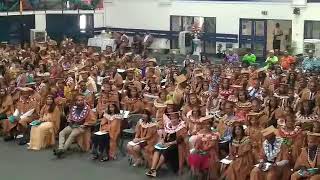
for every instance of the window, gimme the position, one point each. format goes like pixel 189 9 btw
pixel 83 23
pixel 185 23
pixel 176 23
pixel 312 29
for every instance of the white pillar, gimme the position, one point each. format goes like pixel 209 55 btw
pixel 297 33
pixel 40 21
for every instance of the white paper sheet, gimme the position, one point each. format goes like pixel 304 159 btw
pixel 226 161
pixel 99 133
pixel 131 143
pixel 27 114
pixel 16 113
pixel 125 113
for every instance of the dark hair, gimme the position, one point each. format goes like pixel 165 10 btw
pixel 116 109
pixel 52 106
pixel 198 101
pixel 28 64
pixel 245 94
pixel 150 84
pixel 148 113
pixel 175 108
pixel 257 100
pixel 130 90
pixel 44 67
pixel 276 102
pixel 310 106
pixel 198 110
pixel 234 131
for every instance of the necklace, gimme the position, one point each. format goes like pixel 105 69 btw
pixel 312 162
pixel 272 153
pixel 289 134
pixel 169 128
pixel 79 117
pixel 148 124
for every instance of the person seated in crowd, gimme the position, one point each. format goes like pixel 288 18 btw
pixel 241 156
pixel 292 135
pixel 309 64
pixel 253 131
pixel 131 80
pixel 43 131
pixel 204 154
pixel 287 61
pixel 274 162
pixel 308 162
pixel 306 114
pixel 273 113
pixel 7 106
pixel 249 58
pixel 133 102
pixel 231 57
pixel 104 141
pixel 146 136
pixel 80 118
pixel 271 60
pixel 27 109
pixel 89 96
pixel 167 149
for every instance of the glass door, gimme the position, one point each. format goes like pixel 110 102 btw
pixel 253 34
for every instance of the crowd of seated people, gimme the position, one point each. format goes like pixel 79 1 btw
pixel 232 121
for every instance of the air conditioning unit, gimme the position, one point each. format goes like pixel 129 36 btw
pixel 38 36
pixel 312 44
pixel 185 42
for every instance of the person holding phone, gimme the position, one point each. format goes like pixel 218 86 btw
pixel 308 163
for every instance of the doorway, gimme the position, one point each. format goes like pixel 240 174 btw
pixel 253 35
pixel 258 35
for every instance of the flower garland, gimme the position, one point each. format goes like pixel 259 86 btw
pixel 159 104
pixel 169 128
pixel 244 104
pixel 270 153
pixel 225 93
pixel 113 117
pixel 147 124
pixel 209 136
pixel 27 100
pixel 289 134
pixel 74 117
pixel 237 143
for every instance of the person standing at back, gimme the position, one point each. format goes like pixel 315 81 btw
pixel 277 36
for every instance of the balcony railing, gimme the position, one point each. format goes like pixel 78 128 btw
pixel 46 5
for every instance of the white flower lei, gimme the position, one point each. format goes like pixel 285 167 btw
pixel 270 153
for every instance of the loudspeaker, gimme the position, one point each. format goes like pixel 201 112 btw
pixel 296 11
